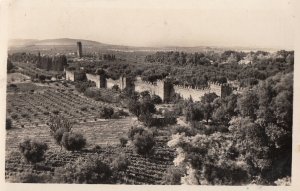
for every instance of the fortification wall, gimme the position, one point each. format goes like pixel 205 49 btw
pixel 153 88
pixel 195 94
pixel 74 75
pixel 121 83
pixel 216 88
pixel 95 78
pixel 110 83
pixel 70 75
pixel 160 87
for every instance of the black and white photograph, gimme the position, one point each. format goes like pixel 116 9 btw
pixel 149 92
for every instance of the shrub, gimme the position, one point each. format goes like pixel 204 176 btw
pixel 133 131
pixel 58 126
pixel 156 99
pixel 90 171
pixel 29 177
pixel 144 142
pixel 146 119
pixel 73 141
pixel 32 150
pixel 173 175
pixel 120 163
pixel 8 123
pixel 106 112
pixel 56 112
pixel 58 134
pixel 123 141
pixel 84 108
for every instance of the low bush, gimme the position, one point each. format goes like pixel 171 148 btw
pixel 106 112
pixel 123 141
pixel 120 163
pixel 58 134
pixel 73 141
pixel 144 142
pixel 33 151
pixel 173 176
pixel 90 171
pixel 58 126
pixel 133 131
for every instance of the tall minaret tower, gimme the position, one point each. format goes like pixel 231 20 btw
pixel 79 49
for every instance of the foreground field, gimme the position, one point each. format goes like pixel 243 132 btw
pixel 104 132
pixel 30 106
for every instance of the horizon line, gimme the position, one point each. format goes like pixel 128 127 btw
pixel 162 46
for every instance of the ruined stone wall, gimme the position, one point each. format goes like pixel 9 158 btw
pixel 74 75
pixel 121 83
pixel 95 78
pixel 195 94
pixel 161 88
pixel 216 88
pixel 164 89
pixel 153 88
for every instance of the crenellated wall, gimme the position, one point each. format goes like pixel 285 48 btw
pixel 121 83
pixel 187 92
pixel 153 88
pixel 100 81
pixel 161 88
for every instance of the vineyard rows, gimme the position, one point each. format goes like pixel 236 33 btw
pixel 141 170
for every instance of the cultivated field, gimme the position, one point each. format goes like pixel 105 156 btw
pixel 30 106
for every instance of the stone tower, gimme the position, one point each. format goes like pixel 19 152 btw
pixel 79 49
pixel 164 90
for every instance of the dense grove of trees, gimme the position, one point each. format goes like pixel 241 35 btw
pixel 196 69
pixel 249 138
pixel 56 63
pixel 109 57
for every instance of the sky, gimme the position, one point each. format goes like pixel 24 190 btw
pixel 246 23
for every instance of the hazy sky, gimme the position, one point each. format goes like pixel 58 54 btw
pixel 258 23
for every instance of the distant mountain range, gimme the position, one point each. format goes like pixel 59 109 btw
pixel 14 43
pixel 34 44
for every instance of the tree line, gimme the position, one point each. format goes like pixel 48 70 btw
pixel 55 63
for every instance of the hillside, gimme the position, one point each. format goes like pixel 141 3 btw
pixel 70 44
